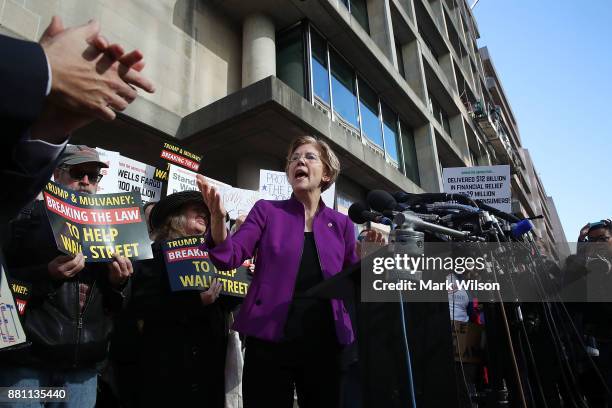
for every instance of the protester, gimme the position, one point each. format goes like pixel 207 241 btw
pixel 68 315
pixel 183 334
pixel 147 208
pixel 588 274
pixel 292 339
pixel 50 89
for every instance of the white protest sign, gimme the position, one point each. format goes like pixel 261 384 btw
pixel 238 201
pixel 110 181
pixel 329 195
pixel 133 175
pixel 180 179
pixel 489 184
pixel 11 332
pixel 274 185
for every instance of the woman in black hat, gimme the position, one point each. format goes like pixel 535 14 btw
pixel 183 334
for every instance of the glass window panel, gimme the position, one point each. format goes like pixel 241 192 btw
pixel 343 88
pixel 411 166
pixel 370 121
pixel 290 59
pixel 390 132
pixel 320 77
pixel 359 10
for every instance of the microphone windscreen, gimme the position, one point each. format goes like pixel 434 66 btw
pixel 355 212
pixel 380 200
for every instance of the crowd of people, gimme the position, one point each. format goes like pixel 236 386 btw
pixel 114 333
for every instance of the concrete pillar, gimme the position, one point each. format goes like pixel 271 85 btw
pixel 438 11
pixel 381 28
pixel 413 68
pixel 427 155
pixel 258 48
pixel 408 6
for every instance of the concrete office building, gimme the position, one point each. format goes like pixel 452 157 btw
pixel 398 87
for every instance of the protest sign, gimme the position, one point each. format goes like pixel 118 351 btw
pixel 171 153
pixel 11 331
pixel 274 185
pixel 489 184
pixel 238 201
pixel 110 181
pixel 189 268
pixel 98 225
pixel 21 293
pixel 135 176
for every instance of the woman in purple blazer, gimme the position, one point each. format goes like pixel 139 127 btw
pixel 292 340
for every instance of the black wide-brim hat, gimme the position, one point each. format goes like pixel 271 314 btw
pixel 172 204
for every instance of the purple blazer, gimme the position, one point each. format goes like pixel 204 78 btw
pixel 275 229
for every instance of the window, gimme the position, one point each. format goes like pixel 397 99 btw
pixel 320 76
pixel 440 114
pixel 370 121
pixel 430 47
pixel 411 166
pixel 390 132
pixel 343 89
pixel 290 59
pixel 359 10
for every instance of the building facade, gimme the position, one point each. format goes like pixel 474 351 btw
pixel 399 88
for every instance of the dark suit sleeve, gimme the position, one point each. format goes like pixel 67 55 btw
pixel 24 75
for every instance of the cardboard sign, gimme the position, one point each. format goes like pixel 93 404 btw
pixel 11 331
pixel 489 184
pixel 171 153
pixel 189 268
pixel 274 185
pixel 98 225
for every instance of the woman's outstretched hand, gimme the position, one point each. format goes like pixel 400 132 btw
pixel 212 199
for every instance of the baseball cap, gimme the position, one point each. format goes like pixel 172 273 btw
pixel 78 154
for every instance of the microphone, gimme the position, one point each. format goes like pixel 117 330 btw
pixel 359 213
pixel 384 202
pixel 411 199
pixel 521 228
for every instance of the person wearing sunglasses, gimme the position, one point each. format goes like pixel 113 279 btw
pixel 79 169
pixel 67 317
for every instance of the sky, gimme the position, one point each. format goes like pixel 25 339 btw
pixel 554 59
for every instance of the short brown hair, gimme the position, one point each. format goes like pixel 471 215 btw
pixel 328 157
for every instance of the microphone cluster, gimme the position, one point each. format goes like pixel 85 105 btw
pixel 455 216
